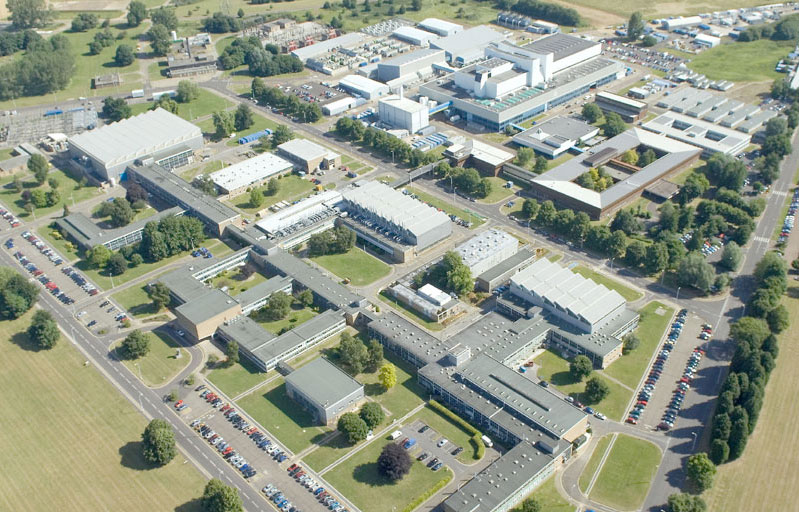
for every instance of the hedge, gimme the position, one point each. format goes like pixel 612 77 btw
pixel 430 492
pixel 477 436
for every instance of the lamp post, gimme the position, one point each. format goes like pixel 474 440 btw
pixel 678 294
pixel 693 445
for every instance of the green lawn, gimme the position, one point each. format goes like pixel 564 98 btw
pixel 593 463
pixel 238 378
pixel 357 478
pixel 625 477
pixel 328 453
pixel 356 265
pixel 498 190
pixel 68 187
pixel 135 301
pixel 208 168
pixel 448 208
pixel 260 123
pixel 760 58
pixel 85 441
pixel 160 365
pixel 445 428
pixel 205 104
pixel 555 369
pixel 632 366
pixel 297 316
pixel 629 294
pixel 403 397
pixel 290 423
pixel 413 315
pixel 325 348
pixel 291 188
pixel 236 282
pixel 549 498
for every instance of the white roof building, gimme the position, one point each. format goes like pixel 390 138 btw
pixel 236 178
pixel 305 209
pixel 487 249
pixel 414 36
pixel 434 295
pixel 364 87
pixel 440 27
pixel 467 46
pixel 320 48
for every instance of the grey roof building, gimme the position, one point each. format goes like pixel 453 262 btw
pixel 324 390
pixel 87 234
pixel 501 272
pixel 257 296
pixel 467 46
pixel 556 135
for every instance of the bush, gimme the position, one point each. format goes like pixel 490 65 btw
pixel 477 436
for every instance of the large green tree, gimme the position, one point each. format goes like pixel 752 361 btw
pixel 353 353
pixel 352 426
pixel 684 502
pixel 158 443
pixel 695 271
pixel 219 497
pixel 116 109
pixel 29 13
pixel 160 295
pixel 43 331
pixel 137 12
pixel 596 390
pixel 580 367
pixel 224 124
pixel 635 26
pixel 135 345
pixel 394 462
pixel 37 164
pixel 17 294
pixel 124 55
pixel 278 306
pixel 701 471
pixel 731 256
pixel 372 413
pixel 232 353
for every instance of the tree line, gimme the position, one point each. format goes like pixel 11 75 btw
pixel 785 29
pixel 465 179
pixel 261 60
pixel 47 65
pixel 400 151
pixel 289 103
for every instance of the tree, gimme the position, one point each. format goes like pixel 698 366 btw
pixel 116 109
pixel 219 497
pixel 281 134
pixel 695 271
pixel 778 319
pixel 223 123
pixel 635 27
pixel 135 345
pixel 117 264
pixel 530 208
pixel 164 16
pixel 135 192
pixel 84 21
pixel 394 462
pixel 524 156
pixel 649 41
pixel 272 187
pixel 700 470
pixel 29 13
pixel 43 330
pixel 278 306
pixel 750 331
pixel 684 502
pixel 256 198
pixel 372 413
pixel 305 297
pixel 137 12
pixel 530 505
pixel 120 211
pixel 159 294
pixel 352 426
pixel 614 125
pixel 232 353
pixel 387 376
pixel 770 265
pixel 416 5
pixel 591 112
pixel 160 40
pixel 731 256
pixel 37 164
pixel 625 221
pixel 695 185
pixel 98 256
pixel 187 91
pixel 374 355
pixel 158 442
pixel 719 451
pixel 541 164
pixel 17 295
pixel 631 342
pixel 596 390
pixel 353 353
pixel 124 56
pixel 243 118
pixel 630 157
pixel 580 367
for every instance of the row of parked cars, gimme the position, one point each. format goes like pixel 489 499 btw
pixel 790 217
pixel 596 414
pixel 277 497
pixel 43 248
pixel 42 278
pixel 15 222
pixel 80 280
pixel 683 385
pixel 298 473
pixel 224 448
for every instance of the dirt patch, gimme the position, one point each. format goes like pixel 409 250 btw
pixel 751 92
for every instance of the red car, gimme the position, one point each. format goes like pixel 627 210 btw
pixel 178 403
pixel 292 467
pixel 632 420
pixel 641 402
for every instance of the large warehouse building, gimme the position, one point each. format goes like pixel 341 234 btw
pixel 414 64
pixel 363 87
pixel 517 83
pixel 468 46
pixel 309 156
pixel 155 136
pixel 238 178
pixel 404 114
pixel 440 27
pixel 487 249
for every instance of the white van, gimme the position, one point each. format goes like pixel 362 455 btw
pixel 396 435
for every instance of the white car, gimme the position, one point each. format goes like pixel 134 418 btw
pixel 441 443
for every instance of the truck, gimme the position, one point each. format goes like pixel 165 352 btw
pixel 396 435
pixel 487 441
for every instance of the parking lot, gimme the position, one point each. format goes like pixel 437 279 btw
pixel 427 442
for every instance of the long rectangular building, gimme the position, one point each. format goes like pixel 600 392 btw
pixel 87 234
pixel 253 172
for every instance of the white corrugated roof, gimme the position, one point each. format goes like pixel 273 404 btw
pixel 415 33
pixel 138 136
pixel 305 149
pixel 250 171
pixel 361 83
pixel 436 24
pixel 308 52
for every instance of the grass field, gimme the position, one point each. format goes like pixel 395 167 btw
pixel 360 267
pixel 135 300
pixel 623 8
pixel 357 479
pixel 593 463
pixel 770 463
pixel 85 439
pixel 297 316
pixel 448 208
pixel 291 424
pixel 549 498
pixel 208 168
pixel 624 479
pixel 328 453
pixel 760 57
pixel 260 123
pixel 445 428
pixel 555 369
pixel 651 327
pixel 628 293
pixel 236 282
pixel 413 315
pixel 68 187
pixel 291 188
pixel 238 378
pixel 160 365
pixel 403 397
pixel 205 104
pixel 498 190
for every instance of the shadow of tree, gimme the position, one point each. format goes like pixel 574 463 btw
pixel 367 474
pixel 22 340
pixel 563 379
pixel 194 505
pixel 374 389
pixel 131 457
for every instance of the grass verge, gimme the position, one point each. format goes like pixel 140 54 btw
pixel 629 294
pixel 161 364
pixel 360 267
pixel 448 208
pixel 593 463
pixel 238 378
pixel 624 479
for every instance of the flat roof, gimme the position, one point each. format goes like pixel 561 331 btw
pixel 304 149
pixel 414 33
pixel 476 37
pixel 484 245
pixel 615 98
pixel 263 289
pixel 436 24
pixel 424 347
pixel 323 382
pixel 135 137
pixel 696 131
pixel 89 234
pixel 411 57
pixel 250 171
pixel 562 128
pixel 568 291
pixel 404 104
pixel 501 338
pixel 275 348
pixel 361 83
pixel 559 45
pixel 522 255
pixel 207 305
pixel 321 47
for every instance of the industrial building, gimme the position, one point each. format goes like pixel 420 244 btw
pixel 500 273
pixel 517 83
pixel 629 181
pixel 440 27
pixel 484 157
pixel 309 156
pixel 428 301
pixel 686 22
pixel 376 206
pixel 556 135
pixel 629 109
pixel 323 390
pixel 413 65
pixel 154 136
pixel 543 27
pixel 172 189
pixel 339 106
pixel 707 40
pixel 711 138
pixel 402 113
pixel 322 47
pixel 467 46
pixel 253 172
pixel 414 36
pixel 487 249
pixel 86 234
pixel 294 225
pixel 363 87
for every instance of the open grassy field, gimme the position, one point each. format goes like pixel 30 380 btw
pixel 555 369
pixel 205 104
pixel 357 479
pixel 70 190
pixel 628 293
pixel 655 318
pixel 297 316
pixel 770 464
pixel 498 190
pixel 453 433
pixel 413 315
pixel 135 301
pixel 329 452
pixel 260 123
pixel 360 267
pixel 238 378
pixel 760 58
pixel 549 498
pixel 291 424
pixel 291 188
pixel 403 397
pixel 624 479
pixel 235 282
pixel 653 9
pixel 449 208
pixel 71 429
pixel 593 463
pixel 160 365
pixel 208 168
